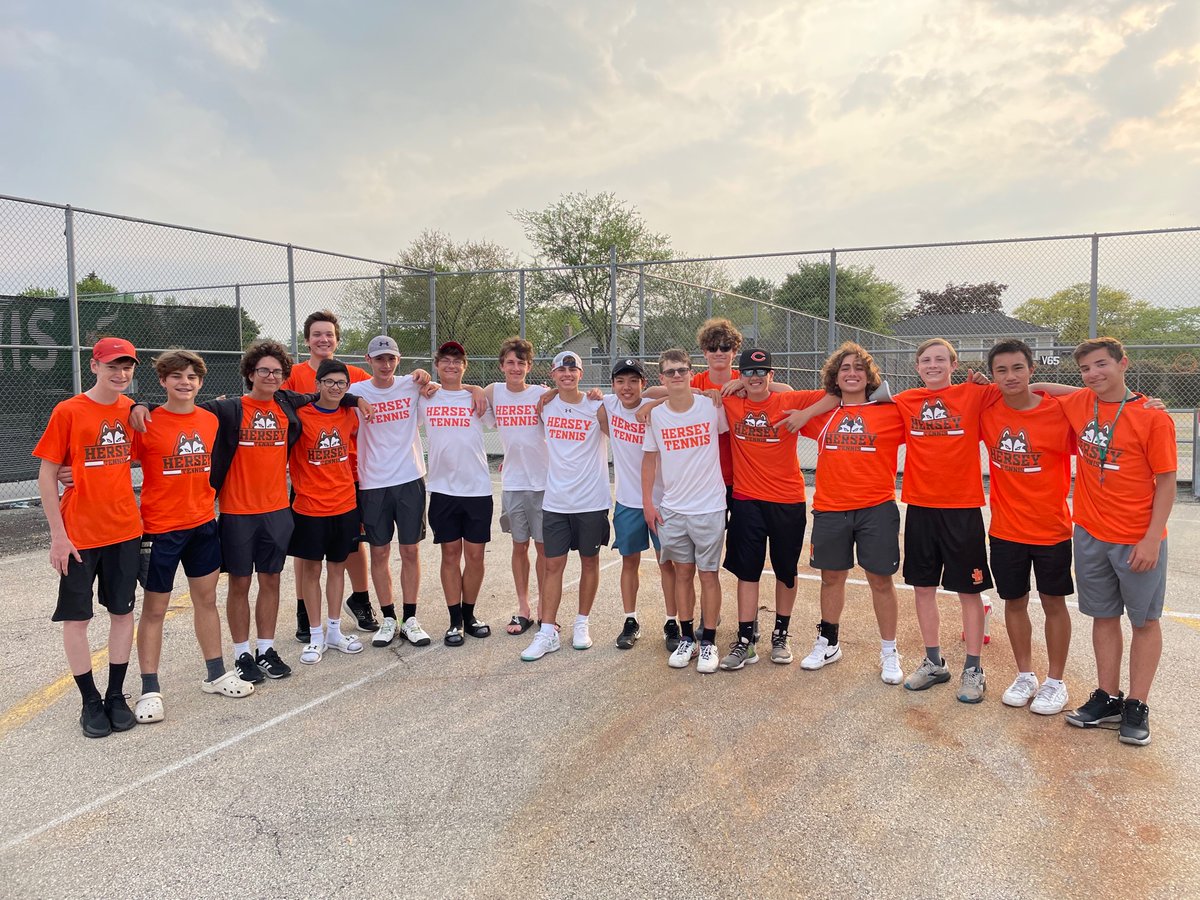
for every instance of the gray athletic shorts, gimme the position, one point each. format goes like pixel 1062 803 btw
pixel 1106 587
pixel 586 532
pixel 874 532
pixel 694 538
pixel 398 509
pixel 521 515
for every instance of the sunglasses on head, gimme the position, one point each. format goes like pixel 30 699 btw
pixel 756 373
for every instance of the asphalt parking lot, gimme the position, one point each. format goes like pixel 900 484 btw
pixel 431 772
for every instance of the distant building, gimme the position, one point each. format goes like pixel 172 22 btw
pixel 593 359
pixel 973 334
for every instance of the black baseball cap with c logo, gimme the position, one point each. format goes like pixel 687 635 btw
pixel 754 358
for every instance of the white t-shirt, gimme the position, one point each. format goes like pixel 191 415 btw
pixel 515 416
pixel 389 446
pixel 577 477
pixel 689 461
pixel 457 463
pixel 625 433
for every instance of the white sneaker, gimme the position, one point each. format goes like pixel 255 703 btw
pixel 821 654
pixel 1021 691
pixel 386 633
pixel 889 668
pixel 541 645
pixel 1050 699
pixel 709 658
pixel 412 632
pixel 684 654
pixel 581 638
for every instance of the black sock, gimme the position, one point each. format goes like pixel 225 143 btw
pixel 456 615
pixel 359 597
pixel 301 610
pixel 216 668
pixel 829 631
pixel 389 611
pixel 410 610
pixel 746 631
pixel 87 686
pixel 973 662
pixel 782 623
pixel 150 683
pixel 688 628
pixel 708 635
pixel 934 655
pixel 468 613
pixel 116 679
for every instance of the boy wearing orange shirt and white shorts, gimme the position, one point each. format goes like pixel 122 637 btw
pixel 95 528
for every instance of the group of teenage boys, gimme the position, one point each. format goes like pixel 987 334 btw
pixel 707 473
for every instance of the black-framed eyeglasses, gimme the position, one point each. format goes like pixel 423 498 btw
pixel 676 373
pixel 269 373
pixel 720 348
pixel 756 373
pixel 335 384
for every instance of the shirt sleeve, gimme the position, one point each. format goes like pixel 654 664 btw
pixel 1161 450
pixel 54 445
pixel 650 438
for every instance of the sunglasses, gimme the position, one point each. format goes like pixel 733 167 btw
pixel 756 373
pixel 676 373
pixel 719 348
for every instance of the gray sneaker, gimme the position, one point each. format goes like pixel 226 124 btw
pixel 781 648
pixel 740 654
pixel 972 686
pixel 929 674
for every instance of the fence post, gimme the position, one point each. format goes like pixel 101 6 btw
pixel 1196 453
pixel 383 313
pixel 295 341
pixel 831 336
pixel 237 305
pixel 1094 301
pixel 521 302
pixel 433 344
pixel 612 296
pixel 708 314
pixel 787 329
pixel 73 303
pixel 641 312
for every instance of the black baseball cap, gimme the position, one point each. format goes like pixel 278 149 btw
pixel 754 358
pixel 629 364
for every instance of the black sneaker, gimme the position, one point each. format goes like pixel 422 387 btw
pixel 119 713
pixel 271 665
pixel 94 720
pixel 302 631
pixel 671 635
pixel 629 634
pixel 1135 723
pixel 1099 710
pixel 364 613
pixel 248 670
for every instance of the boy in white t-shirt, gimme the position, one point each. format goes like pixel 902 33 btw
pixel 681 449
pixel 513 412
pixel 575 507
pixel 460 491
pixel 632 534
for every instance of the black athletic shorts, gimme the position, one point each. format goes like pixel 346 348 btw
pixel 460 518
pixel 1011 562
pixel 324 537
pixel 874 532
pixel 199 549
pixel 115 567
pixel 947 546
pixel 255 543
pixel 754 523
pixel 586 532
pixel 397 510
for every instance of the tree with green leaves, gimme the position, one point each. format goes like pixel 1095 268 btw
pixel 960 299
pixel 1118 315
pixel 864 300
pixel 578 230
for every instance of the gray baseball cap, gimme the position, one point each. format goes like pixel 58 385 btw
pixel 381 345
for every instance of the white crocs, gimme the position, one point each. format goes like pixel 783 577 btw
pixel 150 708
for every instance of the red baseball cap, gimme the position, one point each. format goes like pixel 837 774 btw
pixel 451 348
pixel 107 349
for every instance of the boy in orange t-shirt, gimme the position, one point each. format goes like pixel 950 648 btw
pixel 719 341
pixel 95 528
pixel 1124 491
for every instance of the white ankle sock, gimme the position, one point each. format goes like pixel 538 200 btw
pixel 887 646
pixel 581 620
pixel 240 647
pixel 547 628
pixel 265 644
pixel 1054 682
pixel 333 630
pixel 316 635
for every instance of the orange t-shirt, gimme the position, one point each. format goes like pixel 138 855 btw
pixel 257 478
pixel 1029 453
pixel 176 457
pixel 941 465
pixel 702 381
pixel 94 440
pixel 320 463
pixel 765 463
pixel 303 379
pixel 856 455
pixel 1140 447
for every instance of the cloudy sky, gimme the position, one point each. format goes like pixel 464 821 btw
pixel 733 127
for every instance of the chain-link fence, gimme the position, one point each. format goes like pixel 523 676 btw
pixel 68 276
